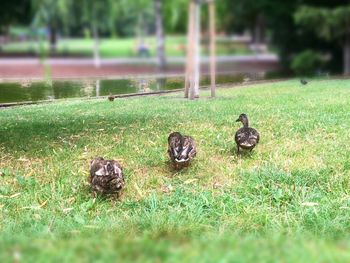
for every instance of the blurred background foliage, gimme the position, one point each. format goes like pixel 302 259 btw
pixel 291 28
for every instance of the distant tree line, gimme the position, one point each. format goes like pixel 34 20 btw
pixel 294 27
pixel 298 30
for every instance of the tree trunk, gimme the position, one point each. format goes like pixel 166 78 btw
pixel 53 38
pixel 259 30
pixel 197 50
pixel 160 34
pixel 190 44
pixel 161 82
pixel 346 54
pixel 97 60
pixel 140 32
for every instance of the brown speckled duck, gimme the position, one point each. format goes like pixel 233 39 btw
pixel 303 81
pixel 106 176
pixel 246 138
pixel 181 149
pixel 111 97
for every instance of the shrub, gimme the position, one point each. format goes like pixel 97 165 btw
pixel 306 63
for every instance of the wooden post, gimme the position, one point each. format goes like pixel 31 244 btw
pixel 197 50
pixel 192 78
pixel 97 60
pixel 160 35
pixel 98 88
pixel 212 36
pixel 193 50
pixel 190 42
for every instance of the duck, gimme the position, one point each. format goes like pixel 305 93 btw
pixel 181 149
pixel 111 97
pixel 303 81
pixel 246 137
pixel 106 177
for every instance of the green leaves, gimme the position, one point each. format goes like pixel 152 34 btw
pixel 51 11
pixel 326 23
pixel 306 63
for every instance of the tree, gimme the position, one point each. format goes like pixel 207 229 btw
pixel 53 14
pixel 247 14
pixel 174 13
pixel 97 15
pixel 192 76
pixel 136 14
pixel 145 11
pixel 287 38
pixel 192 63
pixel 160 34
pixel 329 24
pixel 13 12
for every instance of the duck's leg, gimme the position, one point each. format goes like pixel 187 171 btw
pixel 252 149
pixel 238 152
pixel 119 194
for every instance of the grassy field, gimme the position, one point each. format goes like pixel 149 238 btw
pixel 288 201
pixel 123 47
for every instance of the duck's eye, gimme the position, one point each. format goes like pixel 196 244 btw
pixel 109 166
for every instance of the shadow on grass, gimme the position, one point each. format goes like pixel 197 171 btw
pixel 40 132
pixel 243 154
pixel 170 168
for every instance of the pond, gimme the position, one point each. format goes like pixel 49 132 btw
pixel 39 91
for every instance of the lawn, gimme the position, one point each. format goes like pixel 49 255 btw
pixel 288 201
pixel 122 47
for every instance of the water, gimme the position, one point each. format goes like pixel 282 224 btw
pixel 38 91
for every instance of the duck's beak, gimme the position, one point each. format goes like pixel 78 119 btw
pixel 238 120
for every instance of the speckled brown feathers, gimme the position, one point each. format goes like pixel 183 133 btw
pixel 181 149
pixel 106 176
pixel 111 97
pixel 303 81
pixel 246 138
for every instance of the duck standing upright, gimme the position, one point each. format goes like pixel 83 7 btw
pixel 246 138
pixel 111 97
pixel 106 176
pixel 181 149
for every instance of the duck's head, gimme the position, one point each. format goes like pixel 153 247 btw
pixel 242 118
pixel 115 174
pixel 109 168
pixel 174 141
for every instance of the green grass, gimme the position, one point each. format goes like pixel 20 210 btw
pixel 123 47
pixel 289 201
